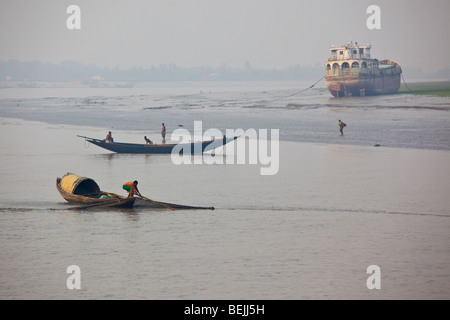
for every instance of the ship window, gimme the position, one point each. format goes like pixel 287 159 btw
pixel 335 65
pixel 345 65
pixel 328 66
pixel 363 65
pixel 341 52
pixel 355 65
pixel 355 52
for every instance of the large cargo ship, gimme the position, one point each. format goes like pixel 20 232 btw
pixel 350 71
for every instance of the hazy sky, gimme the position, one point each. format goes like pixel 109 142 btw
pixel 267 33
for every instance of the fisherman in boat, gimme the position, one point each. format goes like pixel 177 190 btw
pixel 131 188
pixel 163 133
pixel 109 138
pixel 341 127
pixel 147 140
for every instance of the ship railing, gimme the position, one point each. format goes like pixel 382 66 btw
pixel 348 71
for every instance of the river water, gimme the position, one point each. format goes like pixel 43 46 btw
pixel 335 205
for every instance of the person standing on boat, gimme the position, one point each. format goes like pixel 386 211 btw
pixel 131 188
pixel 163 133
pixel 341 127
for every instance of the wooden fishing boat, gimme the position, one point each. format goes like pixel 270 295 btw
pixel 192 148
pixel 81 190
pixel 85 191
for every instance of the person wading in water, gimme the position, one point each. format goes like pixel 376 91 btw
pixel 341 127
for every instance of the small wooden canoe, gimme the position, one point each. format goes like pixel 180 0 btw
pixel 136 148
pixel 81 190
pixel 85 191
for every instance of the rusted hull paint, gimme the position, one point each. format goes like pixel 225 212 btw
pixel 362 85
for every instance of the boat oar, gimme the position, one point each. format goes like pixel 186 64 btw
pixel 161 204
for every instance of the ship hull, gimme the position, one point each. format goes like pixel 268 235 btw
pixel 362 84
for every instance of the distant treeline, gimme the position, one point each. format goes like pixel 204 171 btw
pixel 76 71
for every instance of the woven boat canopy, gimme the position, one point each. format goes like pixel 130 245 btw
pixel 79 185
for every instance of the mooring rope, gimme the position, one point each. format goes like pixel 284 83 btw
pixel 404 82
pixel 293 94
pixel 305 88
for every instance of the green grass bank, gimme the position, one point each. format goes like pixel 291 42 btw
pixel 434 88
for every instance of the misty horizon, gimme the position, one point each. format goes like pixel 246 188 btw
pixel 271 35
pixel 75 71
